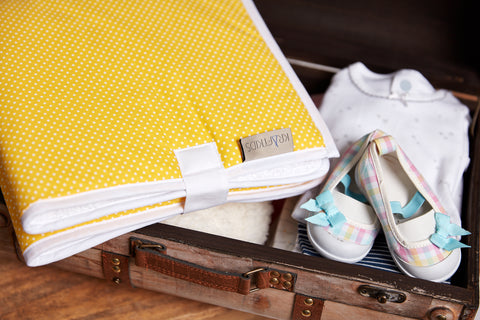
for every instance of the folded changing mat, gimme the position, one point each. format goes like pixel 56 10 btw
pixel 119 114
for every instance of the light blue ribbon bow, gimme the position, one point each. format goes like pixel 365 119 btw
pixel 326 212
pixel 444 231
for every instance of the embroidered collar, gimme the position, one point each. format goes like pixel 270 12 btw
pixel 405 85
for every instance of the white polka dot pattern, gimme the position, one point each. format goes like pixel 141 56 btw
pixel 96 94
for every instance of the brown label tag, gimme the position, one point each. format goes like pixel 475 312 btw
pixel 267 144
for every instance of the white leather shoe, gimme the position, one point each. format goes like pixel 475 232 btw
pixel 421 239
pixel 342 225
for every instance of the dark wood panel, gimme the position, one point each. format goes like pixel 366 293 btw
pixel 437 38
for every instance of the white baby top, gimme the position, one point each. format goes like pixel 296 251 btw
pixel 430 125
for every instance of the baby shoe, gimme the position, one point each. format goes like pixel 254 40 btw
pixel 420 237
pixel 342 225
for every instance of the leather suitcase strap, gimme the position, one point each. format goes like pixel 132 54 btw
pixel 115 267
pixel 152 256
pixel 306 307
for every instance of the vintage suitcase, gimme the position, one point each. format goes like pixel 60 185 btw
pixel 320 37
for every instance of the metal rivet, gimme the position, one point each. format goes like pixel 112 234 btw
pixel 274 274
pixel 441 313
pixel 308 301
pixel 117 280
pixel 288 276
pixel 116 261
pixel 287 284
pixel 274 281
pixel 116 269
pixel 382 298
pixel 306 313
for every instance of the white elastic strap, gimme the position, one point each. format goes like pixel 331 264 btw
pixel 203 175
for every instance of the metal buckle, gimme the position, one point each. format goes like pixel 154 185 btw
pixel 155 246
pixel 248 274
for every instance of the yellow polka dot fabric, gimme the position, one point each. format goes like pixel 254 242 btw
pixel 97 94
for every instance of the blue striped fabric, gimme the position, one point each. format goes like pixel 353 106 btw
pixel 379 256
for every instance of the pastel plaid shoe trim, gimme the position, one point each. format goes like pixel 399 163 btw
pixel 324 210
pixel 350 158
pixel 353 232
